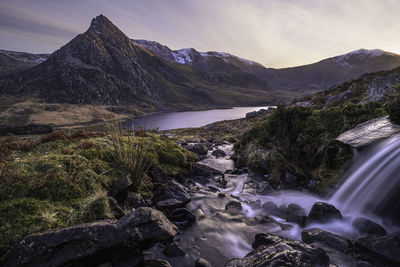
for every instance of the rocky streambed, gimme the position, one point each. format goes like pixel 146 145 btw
pixel 219 216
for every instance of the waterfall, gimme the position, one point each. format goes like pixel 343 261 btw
pixel 372 184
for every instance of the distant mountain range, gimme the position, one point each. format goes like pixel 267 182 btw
pixel 103 66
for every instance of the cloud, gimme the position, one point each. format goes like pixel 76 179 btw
pixel 276 33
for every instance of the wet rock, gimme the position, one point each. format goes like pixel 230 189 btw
pixel 199 149
pixel 221 195
pixel 200 262
pixel 388 246
pixel 264 188
pixel 233 205
pixel 213 189
pixel 323 212
pixel 184 143
pixel 368 227
pixel 169 204
pixel 173 250
pixel 203 173
pixel 222 182
pixel 156 263
pixel 93 243
pixel 325 238
pixel 273 250
pixel 269 207
pixel 218 153
pixel 209 145
pixel 289 177
pixel 182 217
pixel 281 211
pixel 172 190
pixel 296 214
pixel 255 204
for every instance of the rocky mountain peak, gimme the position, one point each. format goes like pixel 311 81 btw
pixel 102 25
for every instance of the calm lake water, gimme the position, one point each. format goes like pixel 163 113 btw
pixel 188 119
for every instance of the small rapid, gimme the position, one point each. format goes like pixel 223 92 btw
pixel 219 235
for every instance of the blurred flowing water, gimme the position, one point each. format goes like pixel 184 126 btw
pixel 219 235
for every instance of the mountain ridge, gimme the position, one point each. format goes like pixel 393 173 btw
pixel 103 66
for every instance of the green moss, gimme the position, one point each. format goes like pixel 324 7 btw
pixel 65 181
pixel 301 139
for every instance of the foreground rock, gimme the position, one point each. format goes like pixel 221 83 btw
pixel 345 252
pixel 388 246
pixel 273 250
pixel 203 174
pixel 368 132
pixel 94 243
pixel 323 212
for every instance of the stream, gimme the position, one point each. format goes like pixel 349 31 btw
pixel 219 235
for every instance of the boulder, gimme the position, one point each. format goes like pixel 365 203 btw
pixel 273 250
pixel 199 149
pixel 296 214
pixel 116 210
pixel 218 153
pixel 200 262
pixel 368 132
pixel 182 217
pixel 269 207
pixel 233 206
pixel 327 239
pixel 173 250
pixel 201 170
pixel 388 246
pixel 323 212
pixel 172 190
pixel 93 243
pixel 367 227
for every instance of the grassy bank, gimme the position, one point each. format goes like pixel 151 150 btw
pixel 62 179
pixel 301 140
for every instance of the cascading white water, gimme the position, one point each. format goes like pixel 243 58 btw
pixel 372 182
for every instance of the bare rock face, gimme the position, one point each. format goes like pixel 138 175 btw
pixel 273 250
pixel 94 243
pixel 368 132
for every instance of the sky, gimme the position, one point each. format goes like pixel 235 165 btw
pixel 276 33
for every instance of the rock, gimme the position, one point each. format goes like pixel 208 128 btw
pixel 172 190
pixel 184 143
pixel 134 200
pixel 269 207
pixel 116 210
pixel 199 149
pixel 173 250
pixel 169 204
pixel 254 114
pixel 200 262
pixel 368 227
pixel 93 243
pixel 296 214
pixel 323 212
pixel 233 205
pixel 209 145
pixel 281 211
pixel 221 195
pixel 182 217
pixel 218 153
pixel 325 238
pixel 368 132
pixel 119 189
pixel 213 189
pixel 264 188
pixel 340 248
pixel 156 263
pixel 222 182
pixel 388 246
pixel 289 177
pixel 201 170
pixel 273 250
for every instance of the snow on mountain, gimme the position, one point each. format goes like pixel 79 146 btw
pixel 348 59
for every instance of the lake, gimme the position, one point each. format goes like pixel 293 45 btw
pixel 188 119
